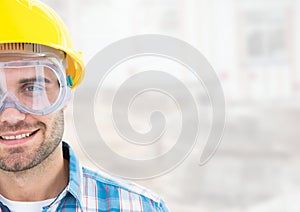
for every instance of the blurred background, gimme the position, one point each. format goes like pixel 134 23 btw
pixel 253 46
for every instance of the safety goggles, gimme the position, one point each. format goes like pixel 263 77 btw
pixel 34 85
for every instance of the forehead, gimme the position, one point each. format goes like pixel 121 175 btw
pixel 16 69
pixel 27 72
pixel 22 63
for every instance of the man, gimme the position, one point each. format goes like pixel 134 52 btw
pixel 39 172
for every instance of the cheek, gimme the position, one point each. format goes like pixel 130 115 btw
pixel 53 122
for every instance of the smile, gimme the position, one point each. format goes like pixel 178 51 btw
pixel 17 137
pixel 12 137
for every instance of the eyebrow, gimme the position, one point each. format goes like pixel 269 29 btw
pixel 31 80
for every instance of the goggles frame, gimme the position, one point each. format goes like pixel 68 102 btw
pixel 50 60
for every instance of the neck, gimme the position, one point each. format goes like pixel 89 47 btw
pixel 42 182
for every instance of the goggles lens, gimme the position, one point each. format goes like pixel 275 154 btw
pixel 35 86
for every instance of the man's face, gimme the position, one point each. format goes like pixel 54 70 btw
pixel 45 134
pixel 25 139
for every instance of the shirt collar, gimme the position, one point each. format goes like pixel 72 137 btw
pixel 75 174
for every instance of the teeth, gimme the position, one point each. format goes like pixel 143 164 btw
pixel 12 137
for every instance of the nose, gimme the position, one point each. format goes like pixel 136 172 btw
pixel 11 115
pixel 10 112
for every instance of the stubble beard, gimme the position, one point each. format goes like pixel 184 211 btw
pixel 18 160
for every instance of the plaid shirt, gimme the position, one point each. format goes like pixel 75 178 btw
pixel 90 191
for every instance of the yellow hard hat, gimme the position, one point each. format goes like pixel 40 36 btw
pixel 32 22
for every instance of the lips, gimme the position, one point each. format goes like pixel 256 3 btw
pixel 16 137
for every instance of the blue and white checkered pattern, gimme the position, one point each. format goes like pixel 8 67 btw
pixel 91 191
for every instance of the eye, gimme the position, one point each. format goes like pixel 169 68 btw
pixel 33 88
